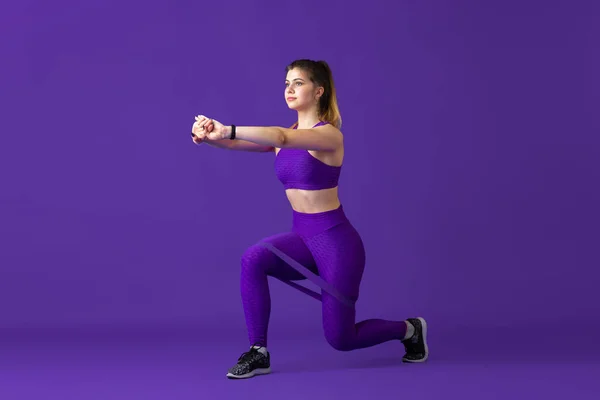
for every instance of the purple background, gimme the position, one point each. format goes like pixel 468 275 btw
pixel 471 169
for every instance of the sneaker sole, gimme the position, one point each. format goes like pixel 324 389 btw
pixel 424 333
pixel 258 371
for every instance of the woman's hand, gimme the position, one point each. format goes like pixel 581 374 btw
pixel 200 129
pixel 212 129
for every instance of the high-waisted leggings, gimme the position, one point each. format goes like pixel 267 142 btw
pixel 327 244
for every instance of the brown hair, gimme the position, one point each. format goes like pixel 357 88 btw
pixel 320 74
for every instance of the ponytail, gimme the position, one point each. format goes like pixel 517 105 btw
pixel 328 106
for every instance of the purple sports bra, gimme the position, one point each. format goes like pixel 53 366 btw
pixel 298 169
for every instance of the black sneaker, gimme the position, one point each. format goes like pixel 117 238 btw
pixel 416 345
pixel 251 363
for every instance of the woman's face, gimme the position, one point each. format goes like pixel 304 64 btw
pixel 300 92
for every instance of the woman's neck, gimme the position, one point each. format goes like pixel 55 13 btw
pixel 307 119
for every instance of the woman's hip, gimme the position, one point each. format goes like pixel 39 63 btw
pixel 311 224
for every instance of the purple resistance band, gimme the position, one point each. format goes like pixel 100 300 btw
pixel 309 275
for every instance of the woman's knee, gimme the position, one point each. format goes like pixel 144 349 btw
pixel 338 324
pixel 339 339
pixel 257 257
pixel 339 329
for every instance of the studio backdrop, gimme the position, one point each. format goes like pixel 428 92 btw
pixel 471 169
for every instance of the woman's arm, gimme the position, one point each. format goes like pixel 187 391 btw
pixel 322 138
pixel 199 136
pixel 239 145
pixel 242 145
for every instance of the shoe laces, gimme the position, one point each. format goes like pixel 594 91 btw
pixel 247 356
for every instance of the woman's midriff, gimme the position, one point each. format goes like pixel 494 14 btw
pixel 313 201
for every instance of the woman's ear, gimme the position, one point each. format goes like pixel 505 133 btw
pixel 320 92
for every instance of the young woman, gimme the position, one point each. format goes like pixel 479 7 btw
pixel 308 161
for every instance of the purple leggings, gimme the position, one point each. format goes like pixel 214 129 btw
pixel 328 245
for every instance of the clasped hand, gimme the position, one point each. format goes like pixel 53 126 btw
pixel 208 129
